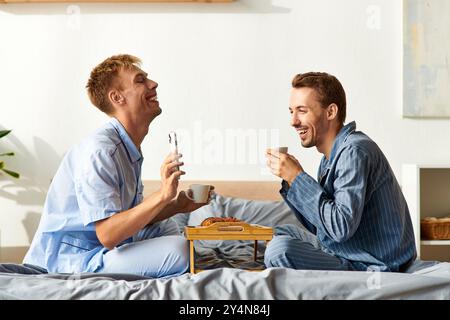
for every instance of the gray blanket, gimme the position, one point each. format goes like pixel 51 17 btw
pixel 228 278
pixel 225 283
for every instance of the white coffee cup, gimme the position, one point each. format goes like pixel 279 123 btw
pixel 200 192
pixel 280 149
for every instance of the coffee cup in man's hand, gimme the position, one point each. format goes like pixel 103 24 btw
pixel 199 193
pixel 278 149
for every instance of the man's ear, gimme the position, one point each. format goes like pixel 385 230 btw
pixel 115 97
pixel 332 111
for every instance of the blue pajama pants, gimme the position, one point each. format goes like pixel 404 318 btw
pixel 157 251
pixel 296 248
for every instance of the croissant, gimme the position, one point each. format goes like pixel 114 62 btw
pixel 209 221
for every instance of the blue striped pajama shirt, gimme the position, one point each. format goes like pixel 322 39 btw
pixel 355 213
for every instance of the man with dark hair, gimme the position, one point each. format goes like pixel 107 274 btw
pixel 355 213
pixel 95 218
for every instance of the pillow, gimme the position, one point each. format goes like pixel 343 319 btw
pixel 265 213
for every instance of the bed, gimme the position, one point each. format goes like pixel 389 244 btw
pixel 226 263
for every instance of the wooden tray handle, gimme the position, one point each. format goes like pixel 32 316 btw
pixel 230 228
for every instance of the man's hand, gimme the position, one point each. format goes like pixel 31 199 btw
pixel 170 175
pixel 185 205
pixel 283 165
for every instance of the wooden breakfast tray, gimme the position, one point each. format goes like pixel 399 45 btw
pixel 226 231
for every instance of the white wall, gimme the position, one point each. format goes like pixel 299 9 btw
pixel 219 67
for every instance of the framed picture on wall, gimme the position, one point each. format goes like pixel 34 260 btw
pixel 426 64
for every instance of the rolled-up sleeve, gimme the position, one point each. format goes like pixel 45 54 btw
pixel 337 215
pixel 98 187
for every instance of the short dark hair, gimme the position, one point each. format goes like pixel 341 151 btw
pixel 327 87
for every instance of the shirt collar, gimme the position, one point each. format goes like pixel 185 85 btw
pixel 340 139
pixel 131 148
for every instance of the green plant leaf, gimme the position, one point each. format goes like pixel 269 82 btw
pixel 4 133
pixel 12 173
pixel 2 164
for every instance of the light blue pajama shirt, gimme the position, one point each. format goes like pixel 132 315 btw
pixel 99 177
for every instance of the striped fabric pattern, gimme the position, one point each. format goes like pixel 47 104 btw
pixel 356 207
